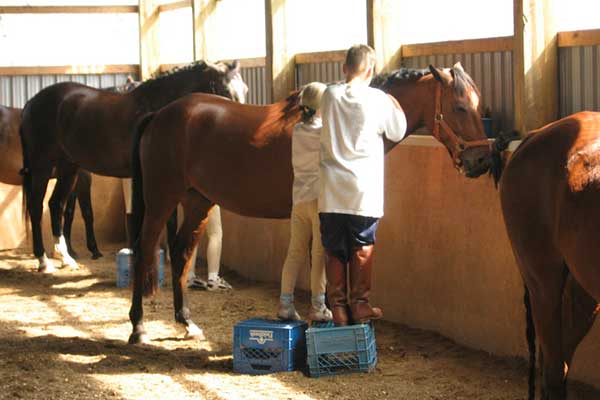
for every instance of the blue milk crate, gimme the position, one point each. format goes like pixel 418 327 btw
pixel 262 346
pixel 336 350
pixel 124 261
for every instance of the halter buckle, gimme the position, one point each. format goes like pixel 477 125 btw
pixel 439 117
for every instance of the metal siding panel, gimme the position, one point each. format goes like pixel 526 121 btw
pixel 33 85
pixel 587 77
pixel 487 87
pixel 6 91
pixel 93 81
pixel 107 81
pixel 596 72
pixel 563 81
pixel 19 91
pixel 575 63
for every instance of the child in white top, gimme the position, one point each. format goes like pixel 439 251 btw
pixel 304 218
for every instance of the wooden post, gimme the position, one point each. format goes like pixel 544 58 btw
pixel 203 12
pixel 280 61
pixel 535 64
pixel 383 32
pixel 149 17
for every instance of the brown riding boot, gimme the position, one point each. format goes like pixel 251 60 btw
pixel 336 289
pixel 361 264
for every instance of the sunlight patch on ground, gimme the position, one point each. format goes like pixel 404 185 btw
pixel 84 283
pixel 130 386
pixel 38 312
pixel 104 310
pixel 247 387
pixel 64 331
pixel 80 359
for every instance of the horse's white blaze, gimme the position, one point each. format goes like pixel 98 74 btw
pixel 240 87
pixel 474 99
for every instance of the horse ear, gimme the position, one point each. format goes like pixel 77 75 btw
pixel 458 66
pixel 235 66
pixel 440 75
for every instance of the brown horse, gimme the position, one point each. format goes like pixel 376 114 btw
pixel 550 194
pixel 214 141
pixel 68 126
pixel 11 162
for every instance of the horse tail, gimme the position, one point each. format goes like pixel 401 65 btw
pixel 530 332
pixel 25 172
pixel 138 206
pixel 500 144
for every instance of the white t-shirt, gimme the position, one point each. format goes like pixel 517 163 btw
pixel 355 118
pixel 305 160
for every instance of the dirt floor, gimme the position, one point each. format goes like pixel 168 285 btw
pixel 64 336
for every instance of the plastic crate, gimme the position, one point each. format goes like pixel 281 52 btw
pixel 124 261
pixel 337 350
pixel 262 346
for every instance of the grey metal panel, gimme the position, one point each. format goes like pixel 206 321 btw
pixel 579 70
pixel 16 90
pixel 327 72
pixel 491 72
pixel 255 79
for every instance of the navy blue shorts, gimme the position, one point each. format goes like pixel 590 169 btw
pixel 342 233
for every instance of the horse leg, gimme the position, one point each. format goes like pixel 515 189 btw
pixel 579 313
pixel 66 178
pixel 545 283
pixel 196 209
pixel 39 183
pixel 83 190
pixel 68 223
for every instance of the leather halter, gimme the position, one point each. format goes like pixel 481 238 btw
pixel 454 143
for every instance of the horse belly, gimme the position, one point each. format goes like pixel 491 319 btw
pixel 254 185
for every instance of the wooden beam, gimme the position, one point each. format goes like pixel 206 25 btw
pixel 459 47
pixel 149 19
pixel 383 32
pixel 249 62
pixel 535 64
pixel 67 9
pixel 321 56
pixel 204 13
pixel 175 5
pixel 280 61
pixel 70 70
pixel 589 37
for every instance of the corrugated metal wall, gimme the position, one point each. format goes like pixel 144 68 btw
pixel 492 73
pixel 326 72
pixel 255 78
pixel 16 90
pixel 579 77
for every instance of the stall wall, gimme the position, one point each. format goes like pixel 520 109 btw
pixel 443 261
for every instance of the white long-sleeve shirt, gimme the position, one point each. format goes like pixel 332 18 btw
pixel 355 118
pixel 305 160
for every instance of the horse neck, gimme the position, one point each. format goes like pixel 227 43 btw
pixel 152 95
pixel 416 98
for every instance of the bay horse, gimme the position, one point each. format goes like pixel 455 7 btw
pixel 214 140
pixel 550 196
pixel 11 162
pixel 68 126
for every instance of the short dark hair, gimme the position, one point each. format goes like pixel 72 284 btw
pixel 359 57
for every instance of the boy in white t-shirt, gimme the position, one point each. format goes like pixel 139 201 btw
pixel 305 232
pixel 355 118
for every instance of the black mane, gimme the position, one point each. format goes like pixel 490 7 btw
pixel 386 79
pixel 196 66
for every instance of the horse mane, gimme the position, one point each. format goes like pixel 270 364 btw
pixel 462 82
pixel 281 117
pixel 196 66
pixel 386 79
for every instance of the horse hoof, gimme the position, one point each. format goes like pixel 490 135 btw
pixel 96 255
pixel 138 338
pixel 47 269
pixel 71 264
pixel 192 332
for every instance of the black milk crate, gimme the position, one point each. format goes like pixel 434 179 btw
pixel 262 346
pixel 336 350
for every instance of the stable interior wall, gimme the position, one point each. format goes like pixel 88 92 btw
pixel 443 260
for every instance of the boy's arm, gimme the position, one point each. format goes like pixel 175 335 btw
pixel 395 124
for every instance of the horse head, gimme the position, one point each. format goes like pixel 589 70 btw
pixel 228 82
pixel 455 120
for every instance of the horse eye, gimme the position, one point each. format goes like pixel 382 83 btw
pixel 461 109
